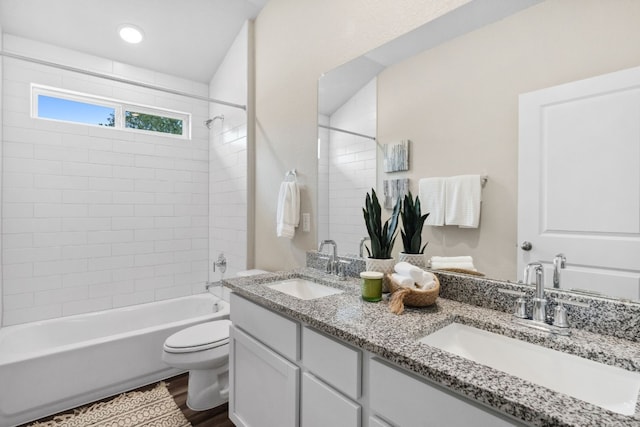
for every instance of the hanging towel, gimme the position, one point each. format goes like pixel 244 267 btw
pixel 288 212
pixel 432 199
pixel 462 197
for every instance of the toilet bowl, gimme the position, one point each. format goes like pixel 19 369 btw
pixel 203 350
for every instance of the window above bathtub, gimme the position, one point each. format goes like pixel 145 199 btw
pixel 50 103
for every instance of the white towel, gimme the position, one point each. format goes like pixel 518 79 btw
pixel 288 212
pixel 404 281
pixel 462 199
pixel 428 281
pixel 408 270
pixel 463 262
pixel 432 199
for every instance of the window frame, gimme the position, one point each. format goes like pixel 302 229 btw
pixel 120 108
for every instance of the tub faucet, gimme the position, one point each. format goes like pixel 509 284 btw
pixel 364 239
pixel 332 263
pixel 221 263
pixel 558 262
pixel 539 301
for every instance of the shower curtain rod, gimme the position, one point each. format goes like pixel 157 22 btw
pixel 120 80
pixel 348 131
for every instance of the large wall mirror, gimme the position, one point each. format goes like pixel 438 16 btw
pixel 452 88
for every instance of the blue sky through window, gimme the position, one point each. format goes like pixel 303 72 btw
pixel 73 111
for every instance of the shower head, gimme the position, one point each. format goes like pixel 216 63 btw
pixel 209 123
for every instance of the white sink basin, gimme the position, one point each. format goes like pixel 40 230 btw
pixel 606 386
pixel 304 289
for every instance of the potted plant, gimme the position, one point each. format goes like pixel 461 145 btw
pixel 382 236
pixel 411 233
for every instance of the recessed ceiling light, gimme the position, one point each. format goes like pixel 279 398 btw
pixel 130 33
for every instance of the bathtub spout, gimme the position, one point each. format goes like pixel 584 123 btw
pixel 209 285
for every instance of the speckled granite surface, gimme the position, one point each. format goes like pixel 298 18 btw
pixel 372 327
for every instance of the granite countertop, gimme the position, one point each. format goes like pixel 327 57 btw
pixel 371 326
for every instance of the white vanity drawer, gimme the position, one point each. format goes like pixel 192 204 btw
pixel 322 406
pixel 336 363
pixel 274 330
pixel 377 422
pixel 409 401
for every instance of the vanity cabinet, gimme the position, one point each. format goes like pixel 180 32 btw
pixel 285 374
pixel 323 406
pixel 405 399
pixel 264 380
pixel 337 364
pixel 264 386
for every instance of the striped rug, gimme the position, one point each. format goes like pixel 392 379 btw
pixel 152 408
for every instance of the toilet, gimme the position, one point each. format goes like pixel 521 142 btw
pixel 203 350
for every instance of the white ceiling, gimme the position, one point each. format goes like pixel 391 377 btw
pixel 185 38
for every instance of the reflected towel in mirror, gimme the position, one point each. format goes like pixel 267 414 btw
pixel 432 199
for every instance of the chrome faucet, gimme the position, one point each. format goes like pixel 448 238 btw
pixel 364 239
pixel 539 301
pixel 558 262
pixel 332 263
pixel 539 316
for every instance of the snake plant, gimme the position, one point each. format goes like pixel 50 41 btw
pixel 382 236
pixel 412 223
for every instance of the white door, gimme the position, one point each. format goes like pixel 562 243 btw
pixel 579 182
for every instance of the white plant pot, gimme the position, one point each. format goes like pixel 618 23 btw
pixel 419 260
pixel 384 266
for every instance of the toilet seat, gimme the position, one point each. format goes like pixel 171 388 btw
pixel 200 337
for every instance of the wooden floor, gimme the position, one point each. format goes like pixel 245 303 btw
pixel 177 386
pixel 216 417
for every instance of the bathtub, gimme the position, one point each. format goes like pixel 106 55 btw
pixel 54 365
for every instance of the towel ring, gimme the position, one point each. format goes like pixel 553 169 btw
pixel 291 175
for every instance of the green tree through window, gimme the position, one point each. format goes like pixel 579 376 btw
pixel 134 120
pixel 151 122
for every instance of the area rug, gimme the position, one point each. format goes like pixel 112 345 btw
pixel 152 408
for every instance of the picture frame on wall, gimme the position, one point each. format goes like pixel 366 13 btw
pixel 396 156
pixel 394 188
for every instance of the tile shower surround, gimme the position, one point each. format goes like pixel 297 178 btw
pixel 372 327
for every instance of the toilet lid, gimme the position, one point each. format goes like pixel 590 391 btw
pixel 199 337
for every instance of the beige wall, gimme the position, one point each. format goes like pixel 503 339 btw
pixel 458 104
pixel 296 41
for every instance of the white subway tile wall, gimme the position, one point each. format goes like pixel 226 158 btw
pixel 350 170
pixel 228 162
pixel 96 218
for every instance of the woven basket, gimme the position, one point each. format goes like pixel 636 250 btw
pixel 401 296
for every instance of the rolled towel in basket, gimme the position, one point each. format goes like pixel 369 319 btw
pixel 405 269
pixel 428 281
pixel 404 281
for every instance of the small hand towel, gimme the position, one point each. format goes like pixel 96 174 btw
pixel 288 211
pixel 432 199
pixel 455 259
pixel 408 270
pixel 463 262
pixel 404 281
pixel 462 200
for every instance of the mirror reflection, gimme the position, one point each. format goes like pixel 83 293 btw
pixel 457 100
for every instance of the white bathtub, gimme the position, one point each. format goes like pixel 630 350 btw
pixel 54 365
